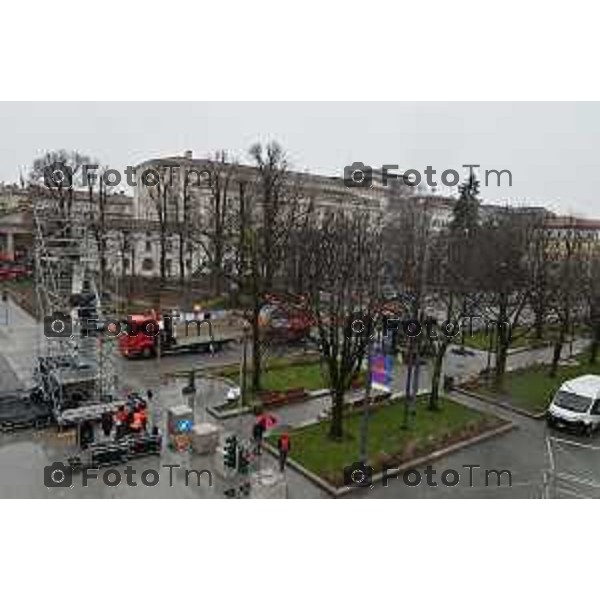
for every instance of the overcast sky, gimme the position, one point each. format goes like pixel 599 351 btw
pixel 552 149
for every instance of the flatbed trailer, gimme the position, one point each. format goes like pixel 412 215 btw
pixel 167 338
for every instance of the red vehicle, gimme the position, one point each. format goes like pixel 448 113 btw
pixel 143 335
pixel 285 318
pixel 11 270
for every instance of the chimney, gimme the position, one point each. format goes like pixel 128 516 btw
pixel 188 154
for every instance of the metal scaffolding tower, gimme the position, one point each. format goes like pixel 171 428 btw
pixel 75 367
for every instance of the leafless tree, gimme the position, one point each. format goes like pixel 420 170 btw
pixel 218 219
pixel 502 275
pixel 593 305
pixel 163 201
pixel 408 238
pixel 246 231
pixel 540 262
pixel 344 295
pixel 569 272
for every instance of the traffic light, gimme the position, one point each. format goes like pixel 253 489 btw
pixel 243 462
pixel 230 456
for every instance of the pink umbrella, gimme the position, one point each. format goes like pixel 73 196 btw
pixel 267 420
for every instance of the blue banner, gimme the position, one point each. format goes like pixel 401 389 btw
pixel 381 371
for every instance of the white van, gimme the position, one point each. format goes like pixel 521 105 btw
pixel 576 405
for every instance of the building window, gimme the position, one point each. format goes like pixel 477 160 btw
pixel 169 266
pixel 125 265
pixel 188 264
pixel 148 246
pixel 148 264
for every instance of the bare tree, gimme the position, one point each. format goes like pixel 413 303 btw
pixel 344 296
pixel 567 287
pixel 163 200
pixel 408 238
pixel 502 274
pixel 217 222
pixel 448 282
pixel 246 231
pixel 593 305
pixel 540 260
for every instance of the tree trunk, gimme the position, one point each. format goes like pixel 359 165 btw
pixel 501 357
pixel 336 430
pixel 539 322
pixel 558 346
pixel 595 345
pixel 435 378
pixel 502 342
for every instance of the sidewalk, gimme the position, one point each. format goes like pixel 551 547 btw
pixel 21 339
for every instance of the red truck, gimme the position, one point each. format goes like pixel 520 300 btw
pixel 144 334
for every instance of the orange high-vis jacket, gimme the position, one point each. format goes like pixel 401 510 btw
pixel 137 420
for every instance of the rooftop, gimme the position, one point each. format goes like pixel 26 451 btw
pixel 586 385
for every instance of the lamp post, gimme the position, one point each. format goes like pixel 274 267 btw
pixel 364 426
pixel 189 392
pixel 244 362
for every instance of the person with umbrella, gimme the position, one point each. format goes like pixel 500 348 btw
pixel 262 423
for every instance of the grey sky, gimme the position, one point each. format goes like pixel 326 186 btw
pixel 552 149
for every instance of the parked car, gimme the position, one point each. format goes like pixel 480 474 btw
pixel 576 405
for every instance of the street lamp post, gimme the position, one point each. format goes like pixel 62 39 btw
pixel 189 391
pixel 244 362
pixel 364 426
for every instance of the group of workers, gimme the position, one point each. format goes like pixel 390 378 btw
pixel 131 417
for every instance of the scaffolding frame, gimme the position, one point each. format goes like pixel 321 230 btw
pixel 74 368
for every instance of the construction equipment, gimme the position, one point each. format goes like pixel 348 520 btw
pixel 285 318
pixel 74 370
pixel 148 334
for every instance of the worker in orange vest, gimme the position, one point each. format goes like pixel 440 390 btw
pixel 144 414
pixel 137 422
pixel 120 421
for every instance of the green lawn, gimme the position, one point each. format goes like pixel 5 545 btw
pixel 284 374
pixel 522 337
pixel 532 388
pixel 480 340
pixel 389 444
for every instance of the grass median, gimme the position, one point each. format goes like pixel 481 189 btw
pixel 531 388
pixel 389 444
pixel 523 337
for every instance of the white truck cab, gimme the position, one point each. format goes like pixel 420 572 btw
pixel 576 405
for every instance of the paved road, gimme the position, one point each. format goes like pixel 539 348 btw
pixel 23 456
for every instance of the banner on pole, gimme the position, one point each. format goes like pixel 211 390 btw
pixel 381 372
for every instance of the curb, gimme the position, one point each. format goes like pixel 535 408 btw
pixel 435 455
pixel 228 414
pixel 501 404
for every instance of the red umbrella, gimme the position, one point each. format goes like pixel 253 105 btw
pixel 267 420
